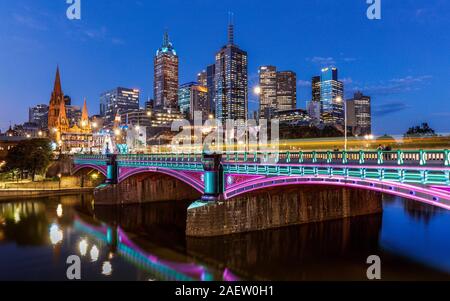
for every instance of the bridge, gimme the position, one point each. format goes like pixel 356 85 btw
pixel 344 184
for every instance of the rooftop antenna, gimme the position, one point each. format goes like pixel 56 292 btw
pixel 166 38
pixel 230 28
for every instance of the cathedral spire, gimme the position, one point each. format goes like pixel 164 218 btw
pixel 84 112
pixel 57 86
pixel 85 124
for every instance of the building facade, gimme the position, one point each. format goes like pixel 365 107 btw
pixel 359 114
pixel 39 115
pixel 165 84
pixel 193 97
pixel 231 81
pixel 331 97
pixel 202 78
pixel 286 90
pixel 268 90
pixel 210 85
pixel 117 101
pixel 292 117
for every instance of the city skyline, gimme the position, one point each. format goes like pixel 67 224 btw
pixel 397 83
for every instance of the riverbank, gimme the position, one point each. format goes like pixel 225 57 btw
pixel 8 194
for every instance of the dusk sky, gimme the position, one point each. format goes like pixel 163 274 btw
pixel 402 60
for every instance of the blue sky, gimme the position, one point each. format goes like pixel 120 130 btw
pixel 402 60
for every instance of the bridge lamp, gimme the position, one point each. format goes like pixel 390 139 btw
pixel 94 253
pixel 82 246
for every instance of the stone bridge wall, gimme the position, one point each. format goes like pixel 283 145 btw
pixel 145 188
pixel 280 207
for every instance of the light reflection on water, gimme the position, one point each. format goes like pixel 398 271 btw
pixel 147 242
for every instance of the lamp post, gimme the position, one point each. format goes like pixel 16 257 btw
pixel 339 99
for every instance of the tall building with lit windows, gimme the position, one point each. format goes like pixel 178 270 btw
pixel 268 90
pixel 165 84
pixel 231 81
pixel 278 90
pixel 202 78
pixel 359 114
pixel 117 101
pixel 210 84
pixel 193 97
pixel 331 97
pixel 286 90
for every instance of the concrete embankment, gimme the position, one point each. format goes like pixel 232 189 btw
pixel 9 194
pixel 66 185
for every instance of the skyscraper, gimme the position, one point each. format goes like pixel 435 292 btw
pixel 39 115
pixel 268 90
pixel 231 81
pixel 286 90
pixel 118 100
pixel 210 84
pixel 315 86
pixel 278 90
pixel 202 78
pixel 359 114
pixel 193 97
pixel 331 97
pixel 165 84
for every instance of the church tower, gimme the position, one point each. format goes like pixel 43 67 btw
pixel 62 124
pixel 55 103
pixel 85 124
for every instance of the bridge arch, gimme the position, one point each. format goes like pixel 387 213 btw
pixel 422 194
pixel 100 169
pixel 126 173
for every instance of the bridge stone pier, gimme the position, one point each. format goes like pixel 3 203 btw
pixel 243 191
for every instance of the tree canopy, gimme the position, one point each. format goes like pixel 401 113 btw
pixel 423 130
pixel 32 155
pixel 297 132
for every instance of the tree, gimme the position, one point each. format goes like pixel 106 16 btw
pixel 306 131
pixel 32 155
pixel 424 130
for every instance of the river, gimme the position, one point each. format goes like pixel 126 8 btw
pixel 147 242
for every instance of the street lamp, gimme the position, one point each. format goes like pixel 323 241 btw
pixel 339 99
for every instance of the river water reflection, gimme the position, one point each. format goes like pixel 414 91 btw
pixel 147 242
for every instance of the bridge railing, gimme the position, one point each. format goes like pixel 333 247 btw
pixel 386 158
pixel 161 157
pixel 397 157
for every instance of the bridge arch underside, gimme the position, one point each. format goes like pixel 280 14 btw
pixel 143 186
pixel 90 175
pixel 421 193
